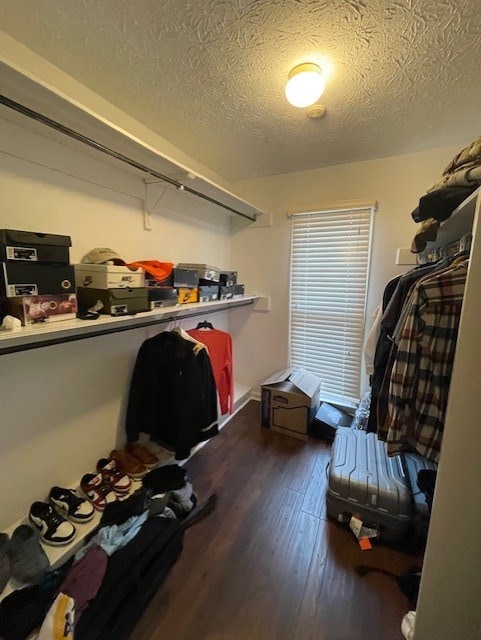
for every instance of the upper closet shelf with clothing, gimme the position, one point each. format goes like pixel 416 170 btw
pixel 34 104
pixel 44 335
pixel 457 225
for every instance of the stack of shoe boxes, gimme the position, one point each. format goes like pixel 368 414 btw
pixel 208 280
pixel 111 289
pixel 215 284
pixel 37 282
pixel 170 285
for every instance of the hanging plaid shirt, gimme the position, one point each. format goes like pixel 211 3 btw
pixel 421 374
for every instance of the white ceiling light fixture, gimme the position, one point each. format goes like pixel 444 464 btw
pixel 305 85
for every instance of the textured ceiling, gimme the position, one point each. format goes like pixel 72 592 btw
pixel 209 75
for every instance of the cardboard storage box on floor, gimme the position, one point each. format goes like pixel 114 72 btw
pixel 108 276
pixel 290 399
pixel 31 246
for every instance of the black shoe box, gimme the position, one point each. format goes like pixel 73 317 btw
pixel 178 277
pixel 116 302
pixel 31 246
pixel 208 293
pixel 225 293
pixel 160 297
pixel 239 290
pixel 35 278
pixel 228 278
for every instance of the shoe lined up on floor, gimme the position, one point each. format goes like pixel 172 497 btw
pixel 142 454
pixel 113 476
pixel 71 505
pixel 128 464
pixel 97 491
pixel 53 528
pixel 28 561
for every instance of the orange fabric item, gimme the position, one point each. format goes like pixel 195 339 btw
pixel 159 270
pixel 219 344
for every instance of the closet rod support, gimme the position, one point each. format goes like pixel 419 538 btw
pixel 53 124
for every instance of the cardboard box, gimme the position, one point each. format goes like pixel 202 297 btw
pixel 328 420
pixel 225 293
pixel 36 309
pixel 206 272
pixel 208 293
pixel 160 297
pixel 108 276
pixel 228 278
pixel 187 295
pixel 116 302
pixel 31 246
pixel 35 279
pixel 239 290
pixel 178 277
pixel 290 399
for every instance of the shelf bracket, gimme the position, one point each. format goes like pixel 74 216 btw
pixel 154 193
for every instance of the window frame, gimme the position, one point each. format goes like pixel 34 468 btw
pixel 340 208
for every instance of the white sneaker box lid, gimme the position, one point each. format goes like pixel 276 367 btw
pixel 108 276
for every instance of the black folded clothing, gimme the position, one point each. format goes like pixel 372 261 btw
pixel 121 510
pixel 167 478
pixel 441 203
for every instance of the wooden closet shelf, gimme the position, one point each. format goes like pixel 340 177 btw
pixel 44 335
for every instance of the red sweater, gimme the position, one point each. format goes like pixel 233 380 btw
pixel 219 344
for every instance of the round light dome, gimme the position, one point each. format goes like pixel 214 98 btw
pixel 305 85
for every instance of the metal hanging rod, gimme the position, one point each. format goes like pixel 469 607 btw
pixel 20 108
pixel 4 350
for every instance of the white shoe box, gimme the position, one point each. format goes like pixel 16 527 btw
pixel 108 276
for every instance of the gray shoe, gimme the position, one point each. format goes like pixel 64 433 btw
pixel 27 558
pixel 4 561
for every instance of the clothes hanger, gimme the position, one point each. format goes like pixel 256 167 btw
pixel 204 325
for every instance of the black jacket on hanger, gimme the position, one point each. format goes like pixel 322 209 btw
pixel 173 396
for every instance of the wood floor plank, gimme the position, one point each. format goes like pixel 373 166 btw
pixel 268 564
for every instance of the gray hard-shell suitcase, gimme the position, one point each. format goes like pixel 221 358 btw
pixel 365 481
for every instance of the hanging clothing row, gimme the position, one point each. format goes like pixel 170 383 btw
pixel 414 356
pixel 173 396
pixel 177 378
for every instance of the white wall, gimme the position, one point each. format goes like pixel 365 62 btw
pixel 63 406
pixel 262 255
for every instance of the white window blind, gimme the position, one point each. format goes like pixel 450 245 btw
pixel 329 269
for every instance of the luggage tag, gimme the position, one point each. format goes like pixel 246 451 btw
pixel 362 533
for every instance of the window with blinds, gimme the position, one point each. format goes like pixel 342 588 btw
pixel 329 270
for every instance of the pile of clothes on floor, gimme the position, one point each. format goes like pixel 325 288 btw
pixel 104 588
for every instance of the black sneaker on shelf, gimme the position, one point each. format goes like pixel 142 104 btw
pixel 71 505
pixel 28 561
pixel 52 527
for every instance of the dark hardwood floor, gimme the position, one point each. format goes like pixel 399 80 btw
pixel 268 564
